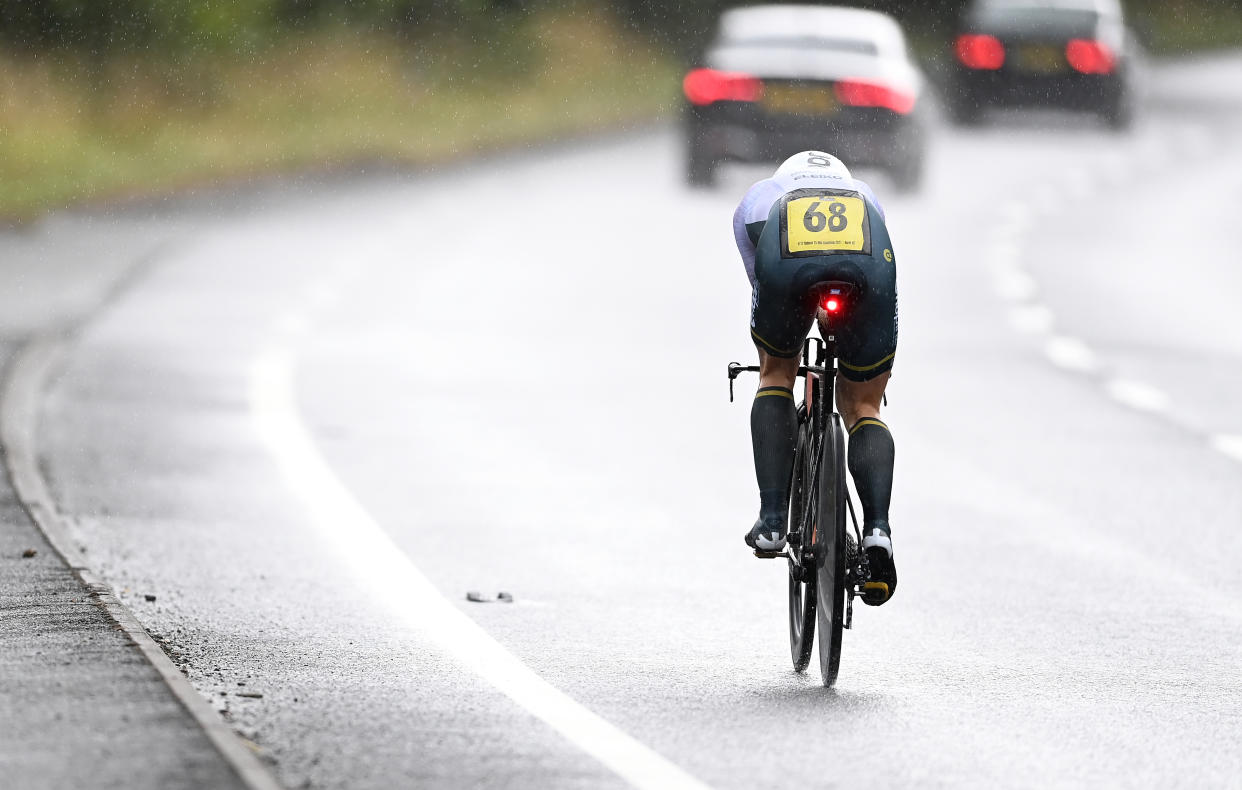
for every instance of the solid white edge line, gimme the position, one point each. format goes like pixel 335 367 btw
pixel 19 418
pixel 380 566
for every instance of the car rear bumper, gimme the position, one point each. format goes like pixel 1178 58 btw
pixel 1064 91
pixel 878 139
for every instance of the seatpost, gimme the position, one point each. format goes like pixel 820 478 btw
pixel 828 361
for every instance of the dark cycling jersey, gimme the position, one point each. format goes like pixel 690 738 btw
pixel 808 224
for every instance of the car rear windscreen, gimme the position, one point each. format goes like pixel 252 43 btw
pixel 852 45
pixel 1018 20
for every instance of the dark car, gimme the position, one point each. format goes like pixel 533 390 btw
pixel 786 78
pixel 1067 54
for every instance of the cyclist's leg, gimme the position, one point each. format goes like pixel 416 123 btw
pixel 781 317
pixel 774 434
pixel 867 346
pixel 871 449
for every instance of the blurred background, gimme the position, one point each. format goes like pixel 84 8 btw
pixel 502 358
pixel 101 99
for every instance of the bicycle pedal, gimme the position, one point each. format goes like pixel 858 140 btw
pixel 771 555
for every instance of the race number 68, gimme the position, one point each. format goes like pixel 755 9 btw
pixel 835 220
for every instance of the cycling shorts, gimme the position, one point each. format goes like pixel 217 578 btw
pixel 784 302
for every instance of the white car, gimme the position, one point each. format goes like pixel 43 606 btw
pixel 786 78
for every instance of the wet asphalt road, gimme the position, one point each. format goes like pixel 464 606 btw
pixel 514 377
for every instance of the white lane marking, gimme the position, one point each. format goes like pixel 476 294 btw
pixel 1229 445
pixel 1015 285
pixel 1078 184
pixel 1003 253
pixel 1138 395
pixel 1017 213
pixel 291 324
pixel 1034 319
pixel 383 568
pixel 1070 353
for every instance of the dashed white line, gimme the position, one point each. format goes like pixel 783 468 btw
pixel 1070 353
pixel 1034 319
pixel 1228 444
pixel 393 579
pixel 1078 184
pixel 1003 251
pixel 1138 396
pixel 1017 214
pixel 1015 285
pixel 291 324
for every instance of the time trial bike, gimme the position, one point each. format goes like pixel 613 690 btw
pixel 826 568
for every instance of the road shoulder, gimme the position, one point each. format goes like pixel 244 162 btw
pixel 89 699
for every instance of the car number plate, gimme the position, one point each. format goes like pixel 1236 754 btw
pixel 799 99
pixel 1040 59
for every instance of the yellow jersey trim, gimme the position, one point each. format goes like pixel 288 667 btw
pixel 771 347
pixel 866 367
pixel 867 421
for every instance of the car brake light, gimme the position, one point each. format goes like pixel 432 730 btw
pixel 977 51
pixel 704 86
pixel 1089 57
pixel 832 304
pixel 860 93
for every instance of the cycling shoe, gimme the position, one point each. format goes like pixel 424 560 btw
pixel 768 534
pixel 878 546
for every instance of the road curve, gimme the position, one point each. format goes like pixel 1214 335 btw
pixel 514 374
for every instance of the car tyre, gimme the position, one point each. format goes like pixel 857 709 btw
pixel 964 108
pixel 700 167
pixel 1119 114
pixel 908 174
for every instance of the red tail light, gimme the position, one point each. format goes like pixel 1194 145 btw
pixel 860 93
pixel 1089 57
pixel 832 304
pixel 704 86
pixel 977 51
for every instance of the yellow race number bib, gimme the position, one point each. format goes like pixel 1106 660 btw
pixel 821 222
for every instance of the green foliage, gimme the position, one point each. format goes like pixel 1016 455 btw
pixel 101 28
pixel 105 27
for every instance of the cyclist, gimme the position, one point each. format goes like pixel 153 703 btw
pixel 811 222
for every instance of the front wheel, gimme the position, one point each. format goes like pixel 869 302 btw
pixel 801 577
pixel 828 544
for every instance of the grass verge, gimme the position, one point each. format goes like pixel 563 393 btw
pixel 73 132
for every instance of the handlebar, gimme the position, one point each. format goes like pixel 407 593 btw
pixel 736 369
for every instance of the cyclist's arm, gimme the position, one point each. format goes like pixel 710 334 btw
pixel 865 189
pixel 749 219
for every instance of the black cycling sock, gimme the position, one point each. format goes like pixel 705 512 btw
pixel 871 463
pixel 773 433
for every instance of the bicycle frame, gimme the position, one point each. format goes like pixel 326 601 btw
pixel 819 392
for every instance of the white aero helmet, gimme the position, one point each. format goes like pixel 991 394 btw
pixel 816 163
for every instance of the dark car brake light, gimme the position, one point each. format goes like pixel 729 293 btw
pixel 1089 57
pixel 979 51
pixel 861 93
pixel 704 86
